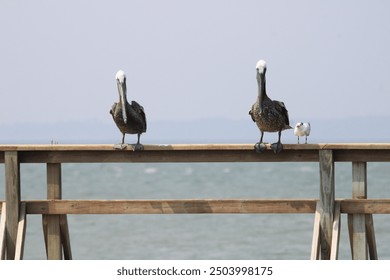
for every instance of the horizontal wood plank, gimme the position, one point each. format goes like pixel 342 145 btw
pixel 166 156
pixel 365 206
pixel 194 206
pixel 195 153
pixel 186 147
pixel 178 206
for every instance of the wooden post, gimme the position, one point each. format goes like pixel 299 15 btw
pixel 357 222
pixel 12 197
pixel 327 201
pixel 52 222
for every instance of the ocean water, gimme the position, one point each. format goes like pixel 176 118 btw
pixel 196 236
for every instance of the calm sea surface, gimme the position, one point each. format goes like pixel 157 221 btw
pixel 242 236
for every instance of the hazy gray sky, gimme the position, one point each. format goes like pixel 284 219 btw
pixel 191 60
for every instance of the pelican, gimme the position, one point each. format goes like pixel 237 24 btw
pixel 302 129
pixel 269 115
pixel 129 118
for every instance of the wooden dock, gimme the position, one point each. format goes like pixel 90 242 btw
pixel 325 208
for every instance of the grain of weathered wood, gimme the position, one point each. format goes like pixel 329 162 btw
pixel 44 226
pixel 359 180
pixel 167 156
pixel 174 206
pixel 65 237
pixel 2 231
pixel 54 181
pixel 54 250
pixel 186 147
pixel 54 191
pixel 371 240
pixel 315 244
pixel 12 197
pixel 334 251
pixel 327 201
pixel 365 206
pixel 359 242
pixel 293 206
pixel 359 191
pixel 195 153
pixel 21 233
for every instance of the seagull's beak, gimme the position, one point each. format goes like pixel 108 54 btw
pixel 122 97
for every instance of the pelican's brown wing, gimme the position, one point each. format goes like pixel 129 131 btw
pixel 140 112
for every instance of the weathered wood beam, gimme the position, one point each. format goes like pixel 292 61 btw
pixel 174 206
pixel 327 201
pixel 54 191
pixel 12 197
pixel 357 222
pixel 21 233
pixel 365 206
pixel 371 240
pixel 167 156
pixel 315 244
pixel 65 237
pixel 193 206
pixel 167 147
pixel 195 153
pixel 2 231
pixel 334 252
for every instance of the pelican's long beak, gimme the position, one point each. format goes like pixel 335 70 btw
pixel 260 83
pixel 122 97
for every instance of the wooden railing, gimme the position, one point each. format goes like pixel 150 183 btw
pixel 326 208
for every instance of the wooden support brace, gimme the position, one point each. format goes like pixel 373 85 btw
pixel 44 226
pixel 2 232
pixel 334 251
pixel 371 237
pixel 315 245
pixel 12 197
pixel 21 233
pixel 65 237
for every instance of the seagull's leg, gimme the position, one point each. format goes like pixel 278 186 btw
pixel 277 147
pixel 306 140
pixel 121 146
pixel 138 146
pixel 260 146
pixel 298 139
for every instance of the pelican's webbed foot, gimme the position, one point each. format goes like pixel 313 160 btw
pixel 120 146
pixel 260 147
pixel 277 147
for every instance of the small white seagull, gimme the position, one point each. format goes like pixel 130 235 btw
pixel 302 129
